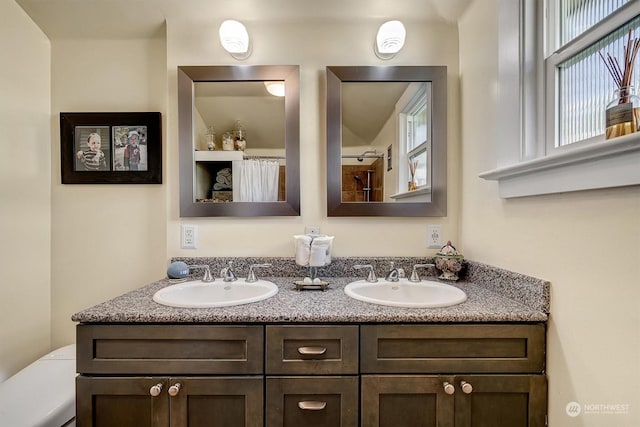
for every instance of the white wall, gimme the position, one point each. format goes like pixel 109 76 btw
pixel 313 46
pixel 25 230
pixel 107 239
pixel 587 244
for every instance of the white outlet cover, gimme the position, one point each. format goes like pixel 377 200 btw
pixel 312 229
pixel 434 236
pixel 188 236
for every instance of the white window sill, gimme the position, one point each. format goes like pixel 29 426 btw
pixel 604 164
pixel 422 194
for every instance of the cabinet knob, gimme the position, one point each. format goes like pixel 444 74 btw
pixel 466 387
pixel 312 351
pixel 312 405
pixel 448 388
pixel 174 389
pixel 155 390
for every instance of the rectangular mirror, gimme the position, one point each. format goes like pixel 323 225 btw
pixel 239 140
pixel 386 141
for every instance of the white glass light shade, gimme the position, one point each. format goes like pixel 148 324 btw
pixel 235 38
pixel 275 88
pixel 390 39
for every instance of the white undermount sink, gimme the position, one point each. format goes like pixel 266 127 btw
pixel 199 294
pixel 403 293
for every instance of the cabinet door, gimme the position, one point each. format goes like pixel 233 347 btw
pixel 213 402
pixel 122 402
pixel 405 401
pixel 312 401
pixel 501 401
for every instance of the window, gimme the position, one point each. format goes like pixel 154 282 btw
pixel 552 94
pixel 414 118
pixel 576 74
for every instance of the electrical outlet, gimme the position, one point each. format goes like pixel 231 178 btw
pixel 189 236
pixel 434 236
pixel 312 229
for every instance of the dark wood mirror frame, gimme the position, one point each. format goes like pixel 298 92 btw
pixel 187 75
pixel 437 75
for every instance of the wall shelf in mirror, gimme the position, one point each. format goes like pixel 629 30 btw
pixel 234 99
pixel 387 141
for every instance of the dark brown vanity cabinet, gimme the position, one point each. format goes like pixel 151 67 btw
pixel 179 402
pixel 453 376
pixel 312 376
pixel 170 375
pixel 395 375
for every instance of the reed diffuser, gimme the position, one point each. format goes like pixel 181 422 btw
pixel 413 164
pixel 622 114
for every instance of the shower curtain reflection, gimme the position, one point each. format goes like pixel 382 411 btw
pixel 255 181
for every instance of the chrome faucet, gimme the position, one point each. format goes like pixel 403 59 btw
pixel 227 273
pixel 393 275
pixel 207 277
pixel 251 277
pixel 414 274
pixel 371 276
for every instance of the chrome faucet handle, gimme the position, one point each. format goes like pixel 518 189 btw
pixel 371 276
pixel 414 274
pixel 207 277
pixel 392 275
pixel 251 277
pixel 227 273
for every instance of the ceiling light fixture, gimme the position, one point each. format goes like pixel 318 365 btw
pixel 390 39
pixel 275 88
pixel 235 39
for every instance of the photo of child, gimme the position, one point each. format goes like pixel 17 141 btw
pixel 132 154
pixel 90 155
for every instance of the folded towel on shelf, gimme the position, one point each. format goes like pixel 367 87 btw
pixel 303 248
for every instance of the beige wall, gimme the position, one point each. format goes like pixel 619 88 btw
pixel 25 230
pixel 107 239
pixel 312 46
pixel 586 243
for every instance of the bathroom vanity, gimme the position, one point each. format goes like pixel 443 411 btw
pixel 318 358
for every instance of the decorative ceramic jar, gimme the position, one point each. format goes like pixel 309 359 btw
pixel 239 136
pixel 449 262
pixel 227 142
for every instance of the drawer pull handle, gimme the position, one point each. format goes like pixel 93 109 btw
pixel 466 387
pixel 312 405
pixel 448 388
pixel 155 390
pixel 174 389
pixel 312 351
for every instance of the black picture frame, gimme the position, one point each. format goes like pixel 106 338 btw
pixel 389 159
pixel 111 148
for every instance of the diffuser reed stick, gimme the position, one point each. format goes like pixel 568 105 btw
pixel 623 76
pixel 413 165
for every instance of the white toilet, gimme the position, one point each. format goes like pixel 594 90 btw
pixel 43 394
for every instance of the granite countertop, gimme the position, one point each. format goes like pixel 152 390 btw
pixel 493 295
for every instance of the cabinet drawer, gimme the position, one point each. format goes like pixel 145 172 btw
pixel 312 401
pixel 314 350
pixel 169 349
pixel 452 348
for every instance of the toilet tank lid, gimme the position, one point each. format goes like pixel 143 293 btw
pixel 67 352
